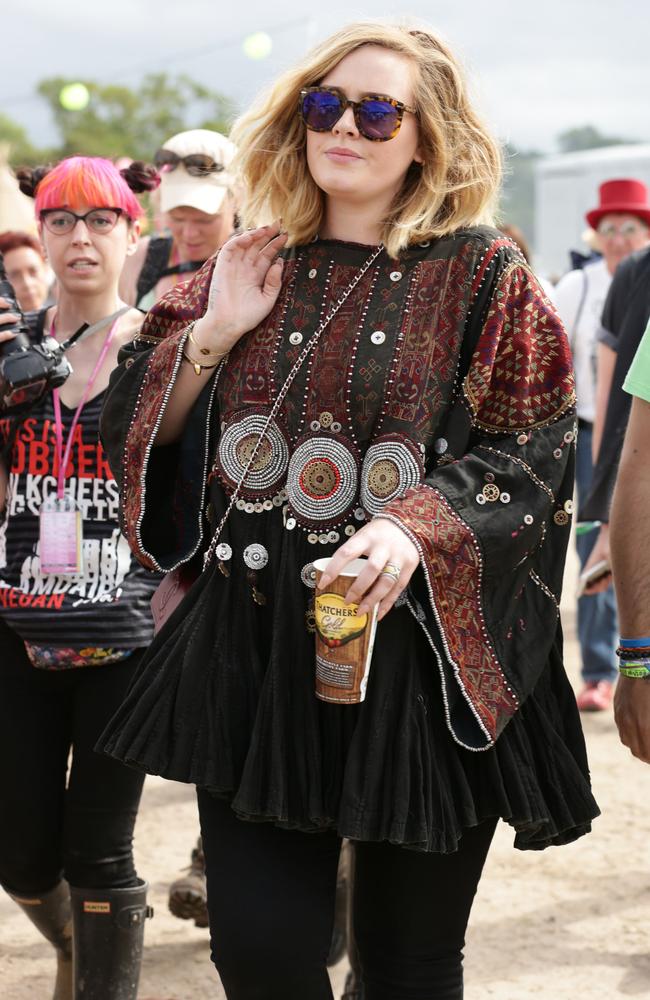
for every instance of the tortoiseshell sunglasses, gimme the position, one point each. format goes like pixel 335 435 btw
pixel 377 116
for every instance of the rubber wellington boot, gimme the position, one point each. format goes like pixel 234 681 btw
pixel 51 914
pixel 108 932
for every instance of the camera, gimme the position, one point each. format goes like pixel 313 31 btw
pixel 27 369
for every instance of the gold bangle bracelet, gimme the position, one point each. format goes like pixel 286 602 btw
pixel 207 354
pixel 197 366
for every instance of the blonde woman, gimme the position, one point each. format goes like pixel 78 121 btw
pixel 428 425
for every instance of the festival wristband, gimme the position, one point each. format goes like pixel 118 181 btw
pixel 640 671
pixel 634 643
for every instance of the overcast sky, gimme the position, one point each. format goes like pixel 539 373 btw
pixel 537 68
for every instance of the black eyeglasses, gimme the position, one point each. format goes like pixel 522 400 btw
pixel 196 164
pixel 377 116
pixel 61 221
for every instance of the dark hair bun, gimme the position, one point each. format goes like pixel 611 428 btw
pixel 141 176
pixel 29 178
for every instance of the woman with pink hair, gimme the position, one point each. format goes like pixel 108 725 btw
pixel 74 604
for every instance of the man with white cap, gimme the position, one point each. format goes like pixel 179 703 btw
pixel 198 205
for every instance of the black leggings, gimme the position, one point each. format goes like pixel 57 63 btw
pixel 83 831
pixel 271 903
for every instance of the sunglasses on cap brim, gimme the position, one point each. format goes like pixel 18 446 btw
pixel 196 164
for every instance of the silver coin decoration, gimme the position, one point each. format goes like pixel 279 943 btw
pixel 308 575
pixel 223 552
pixel 389 469
pixel 322 479
pixel 256 556
pixel 271 461
pixel 440 446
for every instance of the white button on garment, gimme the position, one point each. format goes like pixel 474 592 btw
pixel 313 272
pixel 395 275
pixel 378 337
pixel 295 338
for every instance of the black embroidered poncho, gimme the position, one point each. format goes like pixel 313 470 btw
pixel 440 396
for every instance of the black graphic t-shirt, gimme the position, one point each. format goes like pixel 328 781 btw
pixel 105 607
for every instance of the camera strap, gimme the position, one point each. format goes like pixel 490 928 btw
pixel 87 331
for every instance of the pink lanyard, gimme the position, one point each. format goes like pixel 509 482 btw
pixel 64 457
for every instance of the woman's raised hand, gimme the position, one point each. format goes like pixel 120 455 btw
pixel 245 286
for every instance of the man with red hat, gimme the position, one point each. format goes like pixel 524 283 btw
pixel 621 222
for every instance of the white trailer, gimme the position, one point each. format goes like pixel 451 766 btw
pixel 566 186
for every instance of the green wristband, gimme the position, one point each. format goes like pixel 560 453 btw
pixel 642 671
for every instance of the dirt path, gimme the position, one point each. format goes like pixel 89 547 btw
pixel 567 924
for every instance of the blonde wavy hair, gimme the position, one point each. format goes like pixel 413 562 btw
pixel 457 184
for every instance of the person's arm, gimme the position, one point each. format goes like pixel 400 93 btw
pixel 605 364
pixel 158 426
pixel 245 285
pixel 630 545
pixel 490 521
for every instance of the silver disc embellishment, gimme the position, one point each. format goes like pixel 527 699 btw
pixel 236 446
pixel 308 575
pixel 322 480
pixel 256 556
pixel 223 552
pixel 389 469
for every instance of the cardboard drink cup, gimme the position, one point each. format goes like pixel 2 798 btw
pixel 344 639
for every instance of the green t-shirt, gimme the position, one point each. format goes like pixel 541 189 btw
pixel 637 381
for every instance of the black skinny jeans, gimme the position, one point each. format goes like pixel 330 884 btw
pixel 271 903
pixel 81 828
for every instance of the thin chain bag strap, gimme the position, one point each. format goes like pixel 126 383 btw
pixel 300 360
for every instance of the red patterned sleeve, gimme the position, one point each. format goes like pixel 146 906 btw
pixel 136 401
pixel 491 520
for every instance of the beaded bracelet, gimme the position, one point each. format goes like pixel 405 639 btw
pixel 626 653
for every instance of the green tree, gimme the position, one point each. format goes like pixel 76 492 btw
pixel 574 140
pixel 21 151
pixel 120 121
